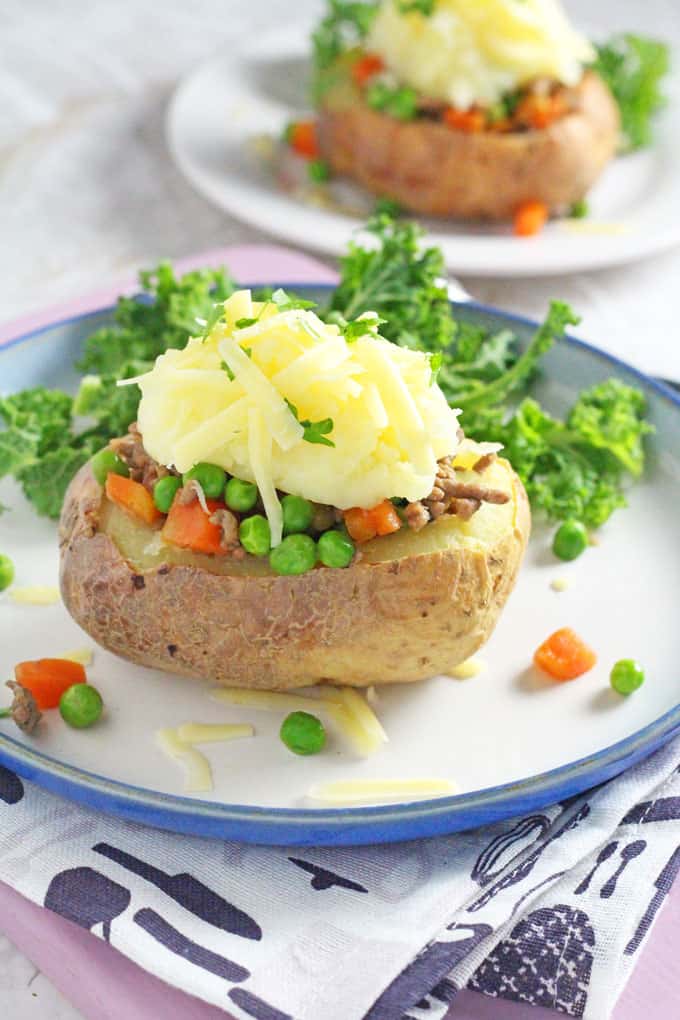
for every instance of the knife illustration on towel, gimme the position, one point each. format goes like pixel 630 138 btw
pixel 191 894
pixel 663 884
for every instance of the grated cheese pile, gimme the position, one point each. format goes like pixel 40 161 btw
pixel 225 400
pixel 475 51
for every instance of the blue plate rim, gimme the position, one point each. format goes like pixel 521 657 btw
pixel 353 825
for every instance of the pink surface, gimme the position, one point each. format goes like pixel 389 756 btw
pixel 250 263
pixel 105 985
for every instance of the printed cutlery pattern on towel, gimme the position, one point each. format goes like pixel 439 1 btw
pixel 529 909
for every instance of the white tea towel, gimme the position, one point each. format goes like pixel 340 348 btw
pixel 550 908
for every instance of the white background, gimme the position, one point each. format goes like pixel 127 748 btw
pixel 87 193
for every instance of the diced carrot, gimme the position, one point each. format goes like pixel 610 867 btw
pixel 539 112
pixel 366 67
pixel 564 656
pixel 190 527
pixel 364 525
pixel 133 497
pixel 359 524
pixel 303 139
pixel 47 679
pixel 530 218
pixel 385 518
pixel 470 121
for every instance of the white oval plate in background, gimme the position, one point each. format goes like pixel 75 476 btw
pixel 221 108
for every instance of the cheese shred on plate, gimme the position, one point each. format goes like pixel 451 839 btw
pixel 35 595
pixel 351 713
pixel 277 397
pixel 178 744
pixel 361 791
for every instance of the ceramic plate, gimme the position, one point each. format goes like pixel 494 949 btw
pixel 509 738
pixel 221 110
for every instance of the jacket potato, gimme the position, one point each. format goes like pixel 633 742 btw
pixel 432 168
pixel 416 603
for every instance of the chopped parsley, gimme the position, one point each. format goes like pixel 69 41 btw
pixel 313 431
pixel 360 327
pixel 424 7
pixel 400 102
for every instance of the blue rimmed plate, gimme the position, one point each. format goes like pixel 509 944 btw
pixel 509 739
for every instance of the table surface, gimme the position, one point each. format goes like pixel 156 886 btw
pixel 88 195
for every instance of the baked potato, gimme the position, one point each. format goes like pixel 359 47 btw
pixel 414 605
pixel 431 168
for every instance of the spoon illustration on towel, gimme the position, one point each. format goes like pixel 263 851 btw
pixel 603 856
pixel 629 853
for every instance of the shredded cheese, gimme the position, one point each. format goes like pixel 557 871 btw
pixel 349 792
pixel 35 595
pixel 82 655
pixel 560 584
pixel 208 733
pixel 466 670
pixel 197 771
pixel 347 709
pixel 286 371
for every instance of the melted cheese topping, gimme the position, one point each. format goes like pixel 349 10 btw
pixel 475 51
pixel 361 791
pixel 390 424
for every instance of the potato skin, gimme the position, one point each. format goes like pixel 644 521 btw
pixel 394 621
pixel 431 169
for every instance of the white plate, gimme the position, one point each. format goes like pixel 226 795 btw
pixel 500 736
pixel 222 106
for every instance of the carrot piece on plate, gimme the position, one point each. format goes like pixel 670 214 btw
pixel 133 497
pixel 303 139
pixel 47 679
pixel 189 526
pixel 530 218
pixel 564 656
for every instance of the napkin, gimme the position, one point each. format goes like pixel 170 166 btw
pixel 550 908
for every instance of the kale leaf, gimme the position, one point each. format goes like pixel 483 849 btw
pixel 573 468
pixel 49 435
pixel 633 67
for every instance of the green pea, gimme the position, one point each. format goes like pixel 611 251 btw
pixel 626 676
pixel 579 209
pixel 239 495
pixel 107 462
pixel 318 171
pixel 335 549
pixel 255 535
pixel 6 572
pixel 81 706
pixel 571 538
pixel 303 733
pixel 164 492
pixel 295 555
pixel 297 514
pixel 210 477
